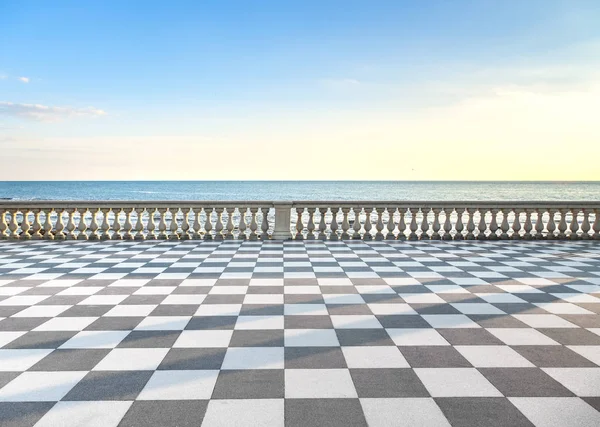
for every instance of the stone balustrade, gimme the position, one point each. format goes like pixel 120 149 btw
pixel 333 220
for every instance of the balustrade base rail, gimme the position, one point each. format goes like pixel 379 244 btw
pixel 299 220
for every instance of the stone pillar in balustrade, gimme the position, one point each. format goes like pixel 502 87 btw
pixel 283 213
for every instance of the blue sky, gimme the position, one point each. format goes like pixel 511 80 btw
pixel 271 77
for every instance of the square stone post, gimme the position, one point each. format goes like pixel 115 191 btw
pixel 281 230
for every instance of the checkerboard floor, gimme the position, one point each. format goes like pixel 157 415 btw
pixel 160 333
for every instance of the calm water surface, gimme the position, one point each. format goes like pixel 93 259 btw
pixel 298 190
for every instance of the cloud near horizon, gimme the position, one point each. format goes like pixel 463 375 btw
pixel 45 113
pixel 24 79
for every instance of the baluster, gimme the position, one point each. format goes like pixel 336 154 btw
pixel 105 225
pixel 390 226
pixel 356 226
pixel 596 227
pixel 401 225
pixel 585 225
pixel 59 233
pixel 3 225
pixel 13 226
pixel 162 224
pixel 447 224
pixel 413 224
pixel 504 226
pixel 229 227
pixel 185 224
pixel 539 225
pixel 127 225
pixel 208 223
pixel 197 227
pixel 459 226
pixel 151 224
pixel 481 227
pixel 379 223
pixel 334 224
pixel 48 235
pixel 265 224
pixel 71 224
pixel 436 224
pixel 253 224
pixel 94 224
pixel 116 225
pixel 82 226
pixel 471 224
pixel 139 224
pixel 528 226
pixel 219 225
pixel 322 225
pixel 516 227
pixel 311 224
pixel 299 223
pixel 345 223
pixel 173 226
pixel 551 226
pixel 494 225
pixel 37 226
pixel 574 226
pixel 562 225
pixel 242 227
pixel 424 224
pixel 25 225
pixel 368 226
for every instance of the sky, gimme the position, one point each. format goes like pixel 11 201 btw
pixel 300 90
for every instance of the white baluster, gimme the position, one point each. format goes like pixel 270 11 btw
pixel 208 224
pixel 470 224
pixel 424 224
pixel 413 224
pixel 562 225
pixel 539 224
pixel 551 226
pixel 128 226
pixel 459 226
pixel 139 224
pixel 253 224
pixel 60 226
pixel 447 224
pixel 528 226
pixel 197 227
pixel 504 227
pixel 185 224
pixel 585 225
pixel 345 223
pixel 516 227
pixel 151 224
pixel 71 225
pixel 596 226
pixel 162 224
pixel 82 226
pixel 173 226
pixel 299 223
pixel 401 225
pixel 574 226
pixel 242 226
pixel 482 227
pixel 105 224
pixel 334 224
pixel 48 235
pixel 368 226
pixel 3 225
pixel 379 223
pixel 25 225
pixel 311 224
pixel 264 224
pixel 356 226
pixel 436 224
pixel 229 227
pixel 94 224
pixel 37 226
pixel 219 225
pixel 322 224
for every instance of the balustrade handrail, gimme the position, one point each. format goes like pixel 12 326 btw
pixel 321 219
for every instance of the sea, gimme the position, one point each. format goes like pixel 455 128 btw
pixel 300 190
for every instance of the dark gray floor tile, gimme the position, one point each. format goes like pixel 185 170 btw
pixel 402 321
pixel 314 358
pixel 303 299
pixel 324 412
pixel 524 382
pixel 150 339
pixel 46 339
pixel 250 384
pixel 22 414
pixel 71 360
pixel 571 336
pixel 469 337
pixel 434 309
pixel 360 337
pixel 434 357
pixel 481 411
pixel 193 359
pixel 259 338
pixel 109 385
pixel 402 382
pixel 212 322
pixel 6 377
pixel 348 309
pixel 555 356
pixel 163 413
pixel 308 322
pixel 262 310
pixel 497 321
pixel 21 323
pixel 114 324
pixel 175 310
pixel 86 311
pixel 224 299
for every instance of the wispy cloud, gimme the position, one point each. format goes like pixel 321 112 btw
pixel 3 76
pixel 45 113
pixel 24 79
pixel 343 83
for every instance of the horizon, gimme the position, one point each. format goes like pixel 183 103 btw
pixel 495 91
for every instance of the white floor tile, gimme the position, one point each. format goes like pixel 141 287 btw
pixel 319 383
pixel 253 358
pixel 456 382
pixel 180 385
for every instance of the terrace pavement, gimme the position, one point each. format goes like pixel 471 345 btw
pixel 353 333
